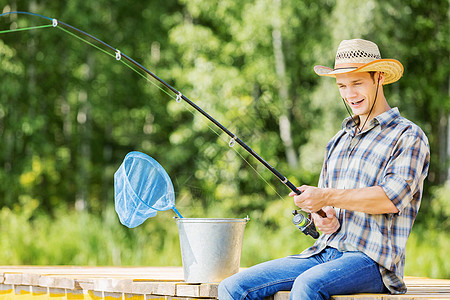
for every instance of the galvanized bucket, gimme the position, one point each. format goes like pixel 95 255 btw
pixel 210 248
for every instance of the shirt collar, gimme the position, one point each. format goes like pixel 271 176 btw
pixel 384 119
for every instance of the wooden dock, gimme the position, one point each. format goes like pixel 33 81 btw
pixel 142 283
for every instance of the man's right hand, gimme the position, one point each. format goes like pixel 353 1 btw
pixel 327 225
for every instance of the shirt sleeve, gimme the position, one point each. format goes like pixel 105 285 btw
pixel 407 168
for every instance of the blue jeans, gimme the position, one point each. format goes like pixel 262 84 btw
pixel 328 273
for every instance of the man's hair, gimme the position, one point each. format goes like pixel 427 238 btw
pixel 372 74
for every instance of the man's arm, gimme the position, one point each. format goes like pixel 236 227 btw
pixel 371 200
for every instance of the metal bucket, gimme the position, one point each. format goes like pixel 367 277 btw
pixel 210 248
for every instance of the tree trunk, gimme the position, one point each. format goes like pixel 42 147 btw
pixel 280 68
pixel 85 133
pixel 447 153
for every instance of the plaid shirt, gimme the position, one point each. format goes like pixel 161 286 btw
pixel 392 153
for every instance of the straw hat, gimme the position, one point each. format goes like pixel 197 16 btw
pixel 361 56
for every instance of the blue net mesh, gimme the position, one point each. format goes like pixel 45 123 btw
pixel 141 189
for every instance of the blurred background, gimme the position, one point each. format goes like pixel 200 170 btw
pixel 69 114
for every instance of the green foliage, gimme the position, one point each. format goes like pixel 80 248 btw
pixel 426 253
pixel 80 238
pixel 70 113
pixel 439 217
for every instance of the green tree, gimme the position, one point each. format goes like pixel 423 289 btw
pixel 69 113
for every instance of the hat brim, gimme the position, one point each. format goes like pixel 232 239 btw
pixel 392 69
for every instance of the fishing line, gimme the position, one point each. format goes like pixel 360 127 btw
pixel 26 28
pixel 218 133
pixel 179 97
pixel 190 109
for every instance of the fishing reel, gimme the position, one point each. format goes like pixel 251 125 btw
pixel 304 224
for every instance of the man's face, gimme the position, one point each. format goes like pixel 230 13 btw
pixel 358 90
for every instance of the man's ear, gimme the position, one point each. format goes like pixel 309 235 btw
pixel 381 78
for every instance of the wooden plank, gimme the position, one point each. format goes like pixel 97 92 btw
pixel 30 279
pixel 37 291
pixel 76 295
pixel 134 297
pixel 144 287
pixel 157 297
pixel 281 296
pixel 360 297
pixel 22 290
pixel 113 285
pixel 57 282
pixel 427 289
pixel 208 290
pixel 165 289
pixel 85 284
pixel 13 278
pixel 188 290
pixel 95 295
pixel 181 289
pixel 426 294
pixel 112 296
pixel 160 283
pixel 155 273
pixel 418 297
pixel 409 280
pixel 86 278
pixel 56 294
pixel 6 290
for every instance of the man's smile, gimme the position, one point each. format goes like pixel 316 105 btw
pixel 356 103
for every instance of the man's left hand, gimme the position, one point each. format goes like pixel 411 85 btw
pixel 327 225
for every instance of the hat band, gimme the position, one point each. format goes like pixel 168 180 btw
pixel 348 66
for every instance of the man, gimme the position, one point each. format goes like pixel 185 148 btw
pixel 370 188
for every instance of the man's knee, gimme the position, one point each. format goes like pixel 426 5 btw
pixel 307 288
pixel 224 289
pixel 239 286
pixel 230 288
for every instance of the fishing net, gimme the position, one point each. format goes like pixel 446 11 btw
pixel 141 189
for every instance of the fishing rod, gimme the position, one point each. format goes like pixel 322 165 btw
pixel 306 223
